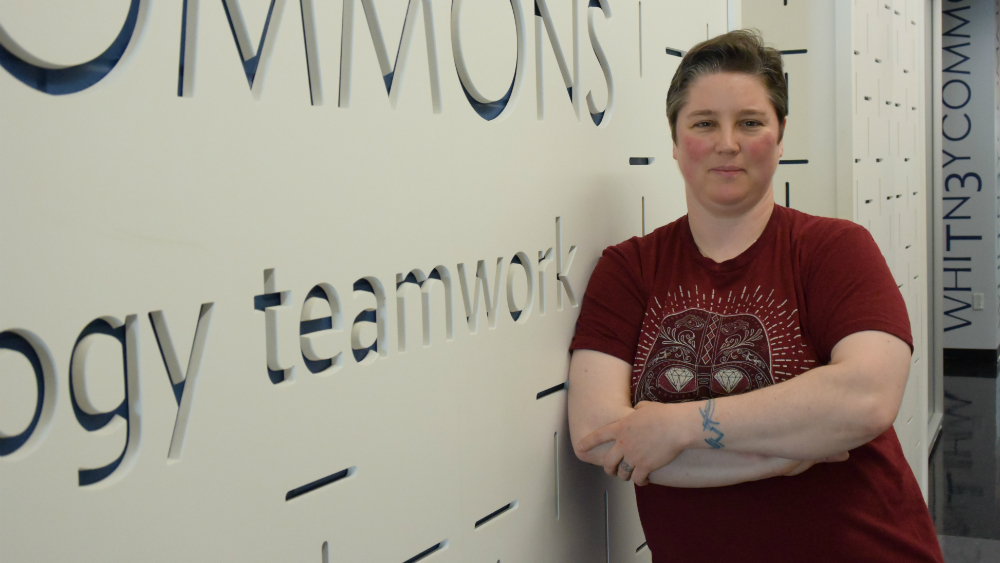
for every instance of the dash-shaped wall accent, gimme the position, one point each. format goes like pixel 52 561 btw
pixel 555 441
pixel 495 514
pixel 643 215
pixel 551 390
pixel 427 552
pixel 640 160
pixel 675 52
pixel 640 38
pixel 799 52
pixel 310 487
pixel 802 161
pixel 607 526
pixel 787 96
pixel 641 547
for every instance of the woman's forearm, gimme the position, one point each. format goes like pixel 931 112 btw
pixel 713 468
pixel 831 408
pixel 598 395
pixel 695 469
pixel 815 415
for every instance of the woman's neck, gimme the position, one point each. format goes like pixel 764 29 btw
pixel 724 238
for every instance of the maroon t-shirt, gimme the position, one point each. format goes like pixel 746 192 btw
pixel 693 329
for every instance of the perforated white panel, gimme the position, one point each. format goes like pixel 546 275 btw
pixel 315 306
pixel 877 127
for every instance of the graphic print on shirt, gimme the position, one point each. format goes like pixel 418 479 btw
pixel 697 346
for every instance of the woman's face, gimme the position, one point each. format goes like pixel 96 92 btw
pixel 727 143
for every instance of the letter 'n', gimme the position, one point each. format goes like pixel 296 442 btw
pixel 544 24
pixel 392 75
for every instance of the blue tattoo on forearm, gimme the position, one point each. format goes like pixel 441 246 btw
pixel 710 425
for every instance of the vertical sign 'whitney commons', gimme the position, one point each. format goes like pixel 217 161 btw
pixel 76 78
pixel 968 171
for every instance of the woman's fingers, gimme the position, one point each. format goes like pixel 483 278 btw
pixel 624 470
pixel 640 477
pixel 800 468
pixel 612 459
pixel 600 436
pixel 843 456
pixel 794 467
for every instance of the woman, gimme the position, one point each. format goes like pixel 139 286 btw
pixel 741 295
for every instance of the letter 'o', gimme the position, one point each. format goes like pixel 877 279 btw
pixel 34 350
pixel 76 78
pixel 489 110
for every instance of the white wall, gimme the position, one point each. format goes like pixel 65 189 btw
pixel 806 177
pixel 857 116
pixel 229 215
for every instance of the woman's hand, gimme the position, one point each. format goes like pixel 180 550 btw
pixel 792 467
pixel 646 440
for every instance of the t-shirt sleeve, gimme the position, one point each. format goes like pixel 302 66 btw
pixel 850 289
pixel 614 304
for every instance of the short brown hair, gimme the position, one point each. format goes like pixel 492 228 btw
pixel 743 51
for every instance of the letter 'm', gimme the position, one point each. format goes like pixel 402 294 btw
pixel 392 75
pixel 249 57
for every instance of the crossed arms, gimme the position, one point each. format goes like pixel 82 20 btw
pixel 781 430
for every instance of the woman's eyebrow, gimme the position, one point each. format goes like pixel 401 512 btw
pixel 712 113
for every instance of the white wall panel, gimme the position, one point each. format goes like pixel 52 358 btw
pixel 220 211
pixel 805 178
pixel 882 188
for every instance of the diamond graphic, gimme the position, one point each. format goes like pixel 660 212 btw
pixel 679 377
pixel 728 378
pixel 693 342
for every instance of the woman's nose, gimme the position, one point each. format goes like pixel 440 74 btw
pixel 727 142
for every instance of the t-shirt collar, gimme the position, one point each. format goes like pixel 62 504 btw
pixel 765 240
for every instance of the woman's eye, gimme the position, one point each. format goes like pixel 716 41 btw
pixel 703 124
pixel 752 123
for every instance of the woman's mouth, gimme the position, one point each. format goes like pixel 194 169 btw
pixel 727 171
